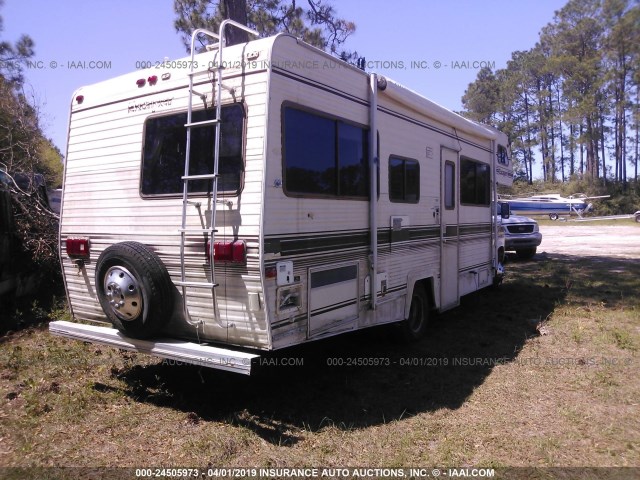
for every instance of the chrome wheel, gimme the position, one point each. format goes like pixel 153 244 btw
pixel 123 293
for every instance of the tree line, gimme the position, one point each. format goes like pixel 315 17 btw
pixel 23 146
pixel 28 229
pixel 574 98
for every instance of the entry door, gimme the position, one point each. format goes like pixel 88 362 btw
pixel 449 229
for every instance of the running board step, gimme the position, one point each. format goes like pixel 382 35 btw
pixel 177 350
pixel 180 283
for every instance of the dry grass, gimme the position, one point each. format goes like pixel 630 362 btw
pixel 507 396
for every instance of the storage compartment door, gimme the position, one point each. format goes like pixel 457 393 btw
pixel 333 298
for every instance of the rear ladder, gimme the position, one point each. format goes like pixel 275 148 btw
pixel 186 178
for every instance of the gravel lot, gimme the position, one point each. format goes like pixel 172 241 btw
pixel 619 241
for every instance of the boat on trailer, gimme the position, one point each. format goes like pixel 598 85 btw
pixel 552 204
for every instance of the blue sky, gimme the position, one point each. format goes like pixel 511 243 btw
pixel 404 43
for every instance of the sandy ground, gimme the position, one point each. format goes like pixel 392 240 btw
pixel 619 241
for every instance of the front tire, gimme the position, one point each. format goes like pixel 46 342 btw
pixel 415 326
pixel 134 289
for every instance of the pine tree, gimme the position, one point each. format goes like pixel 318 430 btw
pixel 316 23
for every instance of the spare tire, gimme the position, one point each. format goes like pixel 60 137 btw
pixel 134 289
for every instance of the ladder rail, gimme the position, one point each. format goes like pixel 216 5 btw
pixel 187 177
pixel 216 153
pixel 185 186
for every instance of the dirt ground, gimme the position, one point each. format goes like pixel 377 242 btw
pixel 593 240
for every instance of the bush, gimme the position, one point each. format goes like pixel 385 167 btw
pixel 30 272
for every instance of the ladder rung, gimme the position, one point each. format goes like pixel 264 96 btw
pixel 203 123
pixel 180 283
pixel 209 176
pixel 208 71
pixel 197 230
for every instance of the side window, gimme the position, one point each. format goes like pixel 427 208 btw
pixel 323 156
pixel 502 155
pixel 449 185
pixel 353 161
pixel 404 180
pixel 474 182
pixel 164 151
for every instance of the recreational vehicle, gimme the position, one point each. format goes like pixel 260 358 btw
pixel 263 195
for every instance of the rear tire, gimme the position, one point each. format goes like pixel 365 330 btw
pixel 415 326
pixel 134 289
pixel 526 253
pixel 553 216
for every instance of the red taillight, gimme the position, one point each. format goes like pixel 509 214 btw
pixel 270 272
pixel 78 247
pixel 235 252
pixel 153 79
pixel 140 82
pixel 222 251
pixel 239 252
pixel 80 98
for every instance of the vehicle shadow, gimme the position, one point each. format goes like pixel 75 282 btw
pixel 362 379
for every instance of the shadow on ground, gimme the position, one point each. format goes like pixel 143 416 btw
pixel 463 345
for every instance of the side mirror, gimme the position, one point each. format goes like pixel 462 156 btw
pixel 505 210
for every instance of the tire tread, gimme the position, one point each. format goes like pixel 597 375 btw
pixel 154 279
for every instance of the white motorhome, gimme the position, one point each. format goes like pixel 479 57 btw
pixel 316 199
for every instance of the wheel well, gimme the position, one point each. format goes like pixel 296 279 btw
pixel 427 285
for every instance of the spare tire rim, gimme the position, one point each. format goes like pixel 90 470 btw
pixel 123 292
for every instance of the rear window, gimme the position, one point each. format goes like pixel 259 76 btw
pixel 164 152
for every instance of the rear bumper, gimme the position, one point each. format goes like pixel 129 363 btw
pixel 179 351
pixel 516 242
